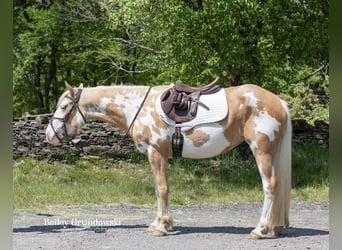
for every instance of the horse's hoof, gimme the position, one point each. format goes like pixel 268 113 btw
pixel 254 236
pixel 158 233
pixel 270 235
pixel 151 229
pixel 273 234
pixel 278 230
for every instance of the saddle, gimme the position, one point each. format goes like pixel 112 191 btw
pixel 180 103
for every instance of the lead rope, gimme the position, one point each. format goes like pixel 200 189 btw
pixel 139 109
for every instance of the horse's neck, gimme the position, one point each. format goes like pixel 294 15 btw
pixel 116 104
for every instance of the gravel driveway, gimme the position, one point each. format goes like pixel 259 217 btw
pixel 120 226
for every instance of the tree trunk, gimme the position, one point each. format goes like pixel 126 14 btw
pixel 235 75
pixel 51 78
pixel 36 86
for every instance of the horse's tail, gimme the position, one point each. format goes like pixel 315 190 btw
pixel 283 165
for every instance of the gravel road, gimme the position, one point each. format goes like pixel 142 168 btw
pixel 119 226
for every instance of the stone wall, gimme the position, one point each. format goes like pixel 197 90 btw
pixel 305 133
pixel 95 139
pixel 99 139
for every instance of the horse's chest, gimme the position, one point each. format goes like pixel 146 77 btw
pixel 147 136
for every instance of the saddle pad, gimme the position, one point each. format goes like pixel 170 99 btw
pixel 218 110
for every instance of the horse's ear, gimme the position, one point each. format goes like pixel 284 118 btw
pixel 69 87
pixel 81 86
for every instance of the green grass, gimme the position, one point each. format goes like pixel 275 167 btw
pixel 40 184
pixel 310 166
pixel 228 178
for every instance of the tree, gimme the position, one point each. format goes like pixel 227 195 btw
pixel 37 30
pixel 242 41
pixel 70 40
pixel 280 45
pixel 275 44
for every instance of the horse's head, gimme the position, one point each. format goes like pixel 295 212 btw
pixel 68 118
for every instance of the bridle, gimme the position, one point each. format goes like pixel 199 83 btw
pixel 74 108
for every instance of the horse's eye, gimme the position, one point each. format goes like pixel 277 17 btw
pixel 63 107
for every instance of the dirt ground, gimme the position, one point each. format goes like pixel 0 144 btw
pixel 119 226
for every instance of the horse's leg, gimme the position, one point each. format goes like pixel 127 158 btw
pixel 269 183
pixel 274 163
pixel 163 222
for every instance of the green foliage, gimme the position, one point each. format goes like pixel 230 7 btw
pixel 269 43
pixel 306 105
pixel 308 97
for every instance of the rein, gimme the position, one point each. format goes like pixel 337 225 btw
pixel 139 109
pixel 66 118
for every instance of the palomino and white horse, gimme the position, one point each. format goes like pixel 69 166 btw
pixel 250 113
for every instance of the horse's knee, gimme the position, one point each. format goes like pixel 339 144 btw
pixel 163 191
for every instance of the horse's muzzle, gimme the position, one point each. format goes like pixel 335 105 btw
pixel 50 136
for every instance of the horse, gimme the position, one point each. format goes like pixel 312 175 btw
pixel 256 116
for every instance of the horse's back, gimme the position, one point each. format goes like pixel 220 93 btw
pixel 254 99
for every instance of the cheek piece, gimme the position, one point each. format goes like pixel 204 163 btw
pixel 74 108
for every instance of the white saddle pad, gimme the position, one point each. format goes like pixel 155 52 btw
pixel 218 110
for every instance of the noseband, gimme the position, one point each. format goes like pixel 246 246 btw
pixel 74 108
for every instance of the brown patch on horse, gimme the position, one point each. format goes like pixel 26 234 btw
pixel 162 145
pixel 198 137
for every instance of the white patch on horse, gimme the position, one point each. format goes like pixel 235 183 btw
pixel 253 146
pixel 142 147
pixel 149 122
pixel 266 124
pixel 214 146
pixel 268 203
pixel 262 175
pixel 79 119
pixel 60 112
pixel 253 100
pixel 130 104
pixel 103 104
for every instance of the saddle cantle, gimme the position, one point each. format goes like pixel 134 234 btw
pixel 180 102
